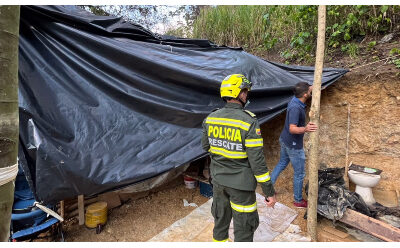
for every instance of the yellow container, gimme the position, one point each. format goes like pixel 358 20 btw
pixel 96 214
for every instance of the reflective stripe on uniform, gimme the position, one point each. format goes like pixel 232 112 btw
pixel 263 178
pixel 227 153
pixel 228 122
pixel 253 142
pixel 244 208
pixel 225 240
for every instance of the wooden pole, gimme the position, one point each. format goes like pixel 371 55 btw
pixel 313 163
pixel 62 209
pixel 9 120
pixel 81 209
pixel 346 177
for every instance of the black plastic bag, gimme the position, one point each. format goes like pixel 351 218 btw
pixel 334 198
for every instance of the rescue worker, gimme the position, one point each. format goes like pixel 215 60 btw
pixel 232 136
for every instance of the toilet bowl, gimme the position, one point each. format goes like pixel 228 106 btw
pixel 364 183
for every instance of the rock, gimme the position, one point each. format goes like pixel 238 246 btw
pixel 387 38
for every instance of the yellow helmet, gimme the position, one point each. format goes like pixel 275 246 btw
pixel 233 84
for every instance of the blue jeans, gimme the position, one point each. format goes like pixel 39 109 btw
pixel 297 158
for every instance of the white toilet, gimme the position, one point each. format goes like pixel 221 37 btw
pixel 364 183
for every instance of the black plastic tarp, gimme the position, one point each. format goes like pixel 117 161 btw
pixel 105 103
pixel 334 198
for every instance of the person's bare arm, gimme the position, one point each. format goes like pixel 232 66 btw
pixel 294 129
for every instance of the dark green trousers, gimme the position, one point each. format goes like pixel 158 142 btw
pixel 239 204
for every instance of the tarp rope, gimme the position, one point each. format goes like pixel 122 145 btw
pixel 7 174
pixel 48 211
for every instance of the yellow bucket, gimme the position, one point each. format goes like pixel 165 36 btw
pixel 96 214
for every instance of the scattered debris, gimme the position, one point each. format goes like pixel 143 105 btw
pixel 187 204
pixel 387 38
pixel 292 234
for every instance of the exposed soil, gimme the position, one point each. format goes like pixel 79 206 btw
pixel 141 219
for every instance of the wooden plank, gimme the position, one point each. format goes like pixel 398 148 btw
pixel 372 226
pixel 200 178
pixel 62 209
pixel 81 210
pixel 336 232
pixel 111 198
pixel 325 236
pixel 124 197
pixel 72 214
pixel 74 206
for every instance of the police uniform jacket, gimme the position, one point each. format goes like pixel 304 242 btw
pixel 232 136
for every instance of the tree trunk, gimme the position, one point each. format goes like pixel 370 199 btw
pixel 9 128
pixel 313 162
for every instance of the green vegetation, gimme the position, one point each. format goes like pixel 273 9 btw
pixel 351 49
pixel 397 63
pixel 395 52
pixel 371 45
pixel 242 25
pixel 292 30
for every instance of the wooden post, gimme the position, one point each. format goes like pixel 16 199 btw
pixel 313 162
pixel 81 210
pixel 62 209
pixel 9 117
pixel 346 177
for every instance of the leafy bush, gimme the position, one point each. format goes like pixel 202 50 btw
pixel 351 49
